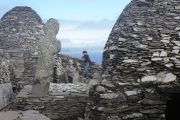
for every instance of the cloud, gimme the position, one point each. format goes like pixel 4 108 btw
pixel 77 36
pixel 80 34
pixel 103 24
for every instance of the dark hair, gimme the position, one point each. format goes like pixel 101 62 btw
pixel 84 51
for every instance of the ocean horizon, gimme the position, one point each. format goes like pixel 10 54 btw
pixel 95 57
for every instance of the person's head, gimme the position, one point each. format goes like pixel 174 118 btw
pixel 84 52
pixel 70 62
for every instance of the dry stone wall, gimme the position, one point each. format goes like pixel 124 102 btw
pixel 4 68
pixel 25 37
pixel 144 42
pixel 62 107
pixel 64 102
pixel 141 62
pixel 6 91
pixel 22 115
pixel 20 30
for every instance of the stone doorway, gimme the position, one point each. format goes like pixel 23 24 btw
pixel 172 110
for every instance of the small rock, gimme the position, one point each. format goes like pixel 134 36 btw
pixel 129 93
pixel 149 78
pixel 109 96
pixel 107 83
pixel 133 116
pixel 100 89
pixel 163 54
pixel 100 108
pixel 165 77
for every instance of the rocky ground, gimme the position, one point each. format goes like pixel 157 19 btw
pixel 22 115
pixel 61 88
pixel 69 88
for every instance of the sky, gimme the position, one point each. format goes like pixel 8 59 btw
pixel 84 24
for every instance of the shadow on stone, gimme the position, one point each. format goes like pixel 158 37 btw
pixel 173 105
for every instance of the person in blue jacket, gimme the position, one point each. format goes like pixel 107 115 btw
pixel 87 62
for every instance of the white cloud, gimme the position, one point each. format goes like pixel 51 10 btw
pixel 103 24
pixel 84 34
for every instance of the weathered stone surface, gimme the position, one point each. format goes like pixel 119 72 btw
pixel 25 38
pixel 149 78
pixel 166 77
pixel 150 43
pixel 6 94
pixel 107 83
pixel 22 115
pixel 65 101
pixel 6 89
pixel 109 96
pixel 68 88
pixel 48 48
pixel 100 89
pixel 133 116
pixel 60 75
pixel 4 69
pixel 20 30
pixel 140 63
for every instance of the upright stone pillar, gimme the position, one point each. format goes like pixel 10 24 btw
pixel 49 46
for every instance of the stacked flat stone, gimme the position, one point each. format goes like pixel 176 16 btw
pixel 68 88
pixel 20 30
pixel 64 102
pixel 63 107
pixel 6 92
pixel 22 115
pixel 26 39
pixel 4 68
pixel 144 41
pixel 141 62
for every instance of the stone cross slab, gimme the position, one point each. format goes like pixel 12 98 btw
pixel 48 46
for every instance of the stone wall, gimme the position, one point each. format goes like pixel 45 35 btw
pixel 61 107
pixel 141 63
pixel 6 92
pixel 144 41
pixel 64 102
pixel 6 95
pixel 21 34
pixel 128 102
pixel 22 115
pixel 4 68
pixel 20 30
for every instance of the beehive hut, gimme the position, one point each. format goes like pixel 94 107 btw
pixel 141 63
pixel 20 30
pixel 24 37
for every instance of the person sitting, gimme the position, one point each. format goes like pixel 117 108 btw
pixel 70 71
pixel 87 62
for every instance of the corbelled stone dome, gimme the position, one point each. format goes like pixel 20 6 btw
pixel 22 13
pixel 144 42
pixel 21 28
pixel 141 65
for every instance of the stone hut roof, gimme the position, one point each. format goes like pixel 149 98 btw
pixel 22 13
pixel 144 41
pixel 19 28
